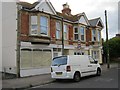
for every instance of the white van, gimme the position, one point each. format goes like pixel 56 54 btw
pixel 74 67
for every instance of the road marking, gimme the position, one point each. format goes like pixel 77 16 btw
pixel 103 79
pixel 109 80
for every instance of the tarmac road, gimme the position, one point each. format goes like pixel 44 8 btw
pixel 108 79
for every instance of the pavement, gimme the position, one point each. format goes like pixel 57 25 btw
pixel 32 81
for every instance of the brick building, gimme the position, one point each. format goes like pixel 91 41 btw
pixel 41 30
pixel 41 34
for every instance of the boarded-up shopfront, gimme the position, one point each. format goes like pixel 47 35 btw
pixel 35 61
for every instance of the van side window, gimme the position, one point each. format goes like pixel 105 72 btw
pixel 91 60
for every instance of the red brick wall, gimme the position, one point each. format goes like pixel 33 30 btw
pixel 66 11
pixel 70 33
pixel 24 26
pixel 53 30
pixel 88 36
pixel 24 23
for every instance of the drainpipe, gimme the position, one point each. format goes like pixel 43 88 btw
pixel 18 40
pixel 62 37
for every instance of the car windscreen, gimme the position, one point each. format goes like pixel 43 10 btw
pixel 59 61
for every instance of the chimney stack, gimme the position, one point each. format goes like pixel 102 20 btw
pixel 66 10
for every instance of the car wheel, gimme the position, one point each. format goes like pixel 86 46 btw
pixel 77 77
pixel 98 72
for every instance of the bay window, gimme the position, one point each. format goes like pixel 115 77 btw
pixel 79 34
pixel 36 28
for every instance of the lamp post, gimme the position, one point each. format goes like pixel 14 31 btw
pixel 107 45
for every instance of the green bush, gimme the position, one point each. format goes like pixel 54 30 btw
pixel 114 47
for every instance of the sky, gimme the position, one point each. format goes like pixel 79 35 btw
pixel 92 9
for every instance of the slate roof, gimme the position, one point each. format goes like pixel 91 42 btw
pixel 28 5
pixel 71 17
pixel 93 22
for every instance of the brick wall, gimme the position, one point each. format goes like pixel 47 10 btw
pixel 24 26
pixel 24 23
pixel 70 34
pixel 53 30
pixel 88 37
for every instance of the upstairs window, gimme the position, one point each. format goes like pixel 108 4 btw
pixel 76 35
pixel 34 25
pixel 82 33
pixel 79 34
pixel 99 36
pixel 43 25
pixel 65 32
pixel 93 35
pixel 58 29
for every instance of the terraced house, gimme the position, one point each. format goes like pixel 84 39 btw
pixel 44 33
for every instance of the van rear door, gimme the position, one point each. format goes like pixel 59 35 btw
pixel 59 66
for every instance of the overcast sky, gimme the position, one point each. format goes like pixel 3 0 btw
pixel 93 9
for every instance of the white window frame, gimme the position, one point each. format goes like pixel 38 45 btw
pixel 58 29
pixel 35 22
pixel 44 26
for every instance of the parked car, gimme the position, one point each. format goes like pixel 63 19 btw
pixel 74 67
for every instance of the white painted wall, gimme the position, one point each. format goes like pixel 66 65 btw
pixel 45 7
pixel 82 20
pixel 9 35
pixel 0 45
pixel 0 36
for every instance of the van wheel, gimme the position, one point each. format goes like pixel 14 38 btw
pixel 77 77
pixel 98 72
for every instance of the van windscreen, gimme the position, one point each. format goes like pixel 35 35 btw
pixel 59 61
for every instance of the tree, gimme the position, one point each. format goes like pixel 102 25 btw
pixel 114 48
